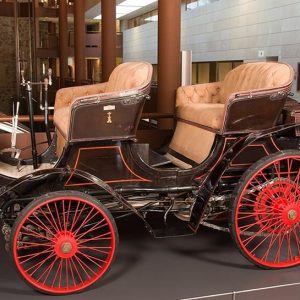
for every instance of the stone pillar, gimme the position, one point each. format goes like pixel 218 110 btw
pixel 169 61
pixel 109 40
pixel 79 41
pixel 63 41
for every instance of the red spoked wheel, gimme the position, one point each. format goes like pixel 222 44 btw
pixel 265 213
pixel 63 242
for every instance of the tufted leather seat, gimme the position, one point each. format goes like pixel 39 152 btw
pixel 201 109
pixel 125 77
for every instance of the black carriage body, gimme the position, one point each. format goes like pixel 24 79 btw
pixel 130 169
pixel 102 173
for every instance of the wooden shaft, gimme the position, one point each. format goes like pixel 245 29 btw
pixel 41 118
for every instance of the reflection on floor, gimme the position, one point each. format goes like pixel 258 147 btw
pixel 174 268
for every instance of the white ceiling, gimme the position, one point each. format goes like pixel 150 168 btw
pixel 96 11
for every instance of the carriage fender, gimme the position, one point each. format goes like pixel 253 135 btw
pixel 66 173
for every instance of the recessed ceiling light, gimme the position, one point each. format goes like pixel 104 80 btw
pixel 129 6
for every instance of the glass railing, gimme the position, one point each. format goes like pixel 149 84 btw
pixel 192 4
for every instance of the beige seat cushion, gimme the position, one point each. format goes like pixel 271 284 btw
pixel 206 114
pixel 62 120
pixel 192 142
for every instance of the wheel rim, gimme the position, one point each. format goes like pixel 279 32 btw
pixel 64 245
pixel 267 214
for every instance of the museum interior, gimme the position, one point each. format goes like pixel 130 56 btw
pixel 178 118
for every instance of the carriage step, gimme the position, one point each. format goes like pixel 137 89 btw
pixel 173 231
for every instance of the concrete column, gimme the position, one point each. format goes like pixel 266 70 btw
pixel 109 40
pixel 63 41
pixel 79 41
pixel 169 61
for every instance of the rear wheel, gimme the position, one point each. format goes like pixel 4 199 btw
pixel 265 213
pixel 63 242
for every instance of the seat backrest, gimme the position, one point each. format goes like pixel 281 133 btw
pixel 130 75
pixel 256 76
pixel 126 76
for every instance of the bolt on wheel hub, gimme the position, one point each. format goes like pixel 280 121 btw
pixel 65 245
pixel 66 248
pixel 292 214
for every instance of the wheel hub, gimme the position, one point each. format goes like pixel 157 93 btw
pixel 291 215
pixel 278 198
pixel 65 245
pixel 66 248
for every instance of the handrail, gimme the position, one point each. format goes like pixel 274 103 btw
pixel 41 118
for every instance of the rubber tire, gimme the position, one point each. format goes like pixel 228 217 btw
pixel 39 201
pixel 238 190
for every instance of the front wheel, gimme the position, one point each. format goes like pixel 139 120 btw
pixel 265 213
pixel 63 242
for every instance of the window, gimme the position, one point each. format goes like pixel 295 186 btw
pixel 192 4
pixel 204 72
pixel 145 18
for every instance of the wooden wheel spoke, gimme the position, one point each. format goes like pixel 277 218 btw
pixel 52 217
pixel 256 234
pixel 33 255
pixel 47 271
pixel 76 270
pixel 77 215
pixel 96 238
pixel 96 249
pixel 84 267
pixel 58 216
pixel 37 266
pixel 29 232
pixel 41 226
pixel 92 258
pixel 56 273
pixel 96 226
pixel 86 220
pixel 272 233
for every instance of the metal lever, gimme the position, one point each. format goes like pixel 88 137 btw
pixel 50 76
pixel 46 111
pixel 31 120
pixel 23 82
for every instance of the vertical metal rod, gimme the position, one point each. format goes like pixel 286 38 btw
pixel 17 46
pixel 46 112
pixel 30 43
pixel 233 295
pixel 31 121
pixel 33 38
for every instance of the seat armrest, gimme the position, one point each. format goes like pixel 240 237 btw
pixel 199 93
pixel 252 111
pixel 66 96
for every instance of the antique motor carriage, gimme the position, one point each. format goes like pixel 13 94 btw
pixel 233 163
